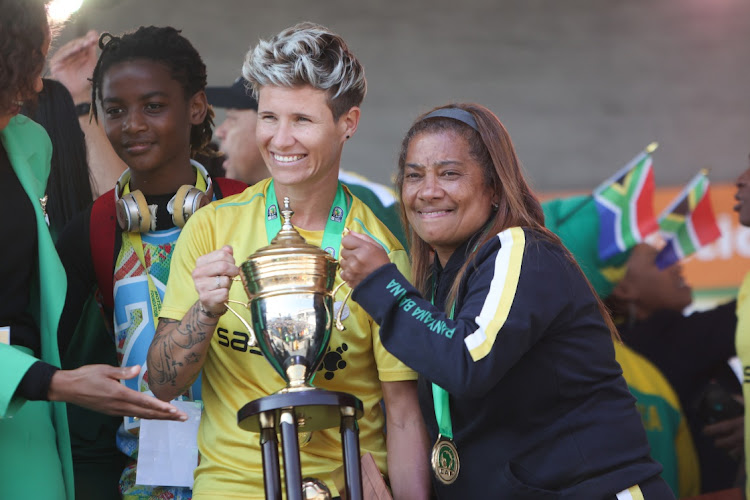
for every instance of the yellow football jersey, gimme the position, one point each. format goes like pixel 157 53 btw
pixel 233 374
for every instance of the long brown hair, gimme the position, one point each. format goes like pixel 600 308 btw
pixel 491 147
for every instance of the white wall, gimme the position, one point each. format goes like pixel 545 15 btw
pixel 582 85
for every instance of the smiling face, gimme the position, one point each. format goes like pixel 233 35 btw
pixel 298 137
pixel 148 119
pixel 445 193
pixel 743 197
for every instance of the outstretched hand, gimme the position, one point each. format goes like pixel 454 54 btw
pixel 360 256
pixel 73 65
pixel 98 388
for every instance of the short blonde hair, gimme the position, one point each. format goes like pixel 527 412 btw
pixel 308 54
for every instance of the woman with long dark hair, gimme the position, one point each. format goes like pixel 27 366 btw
pixel 519 386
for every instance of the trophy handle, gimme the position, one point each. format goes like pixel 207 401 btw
pixel 339 325
pixel 252 341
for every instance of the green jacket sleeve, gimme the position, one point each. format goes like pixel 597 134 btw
pixel 13 366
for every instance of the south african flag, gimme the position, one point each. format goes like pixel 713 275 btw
pixel 625 203
pixel 688 223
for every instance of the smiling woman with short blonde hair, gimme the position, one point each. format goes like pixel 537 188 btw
pixel 309 86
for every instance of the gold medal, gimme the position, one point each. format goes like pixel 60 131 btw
pixel 444 459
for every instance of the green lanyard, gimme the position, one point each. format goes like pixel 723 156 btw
pixel 444 458
pixel 153 293
pixel 440 395
pixel 334 225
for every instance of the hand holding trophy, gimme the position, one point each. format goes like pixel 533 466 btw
pixel 290 287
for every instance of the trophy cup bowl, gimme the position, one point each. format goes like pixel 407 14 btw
pixel 290 287
pixel 291 310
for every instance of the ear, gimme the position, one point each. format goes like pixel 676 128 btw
pixel 624 291
pixel 198 107
pixel 349 121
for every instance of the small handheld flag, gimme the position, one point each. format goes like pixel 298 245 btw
pixel 688 223
pixel 625 203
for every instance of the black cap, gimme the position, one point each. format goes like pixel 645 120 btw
pixel 238 96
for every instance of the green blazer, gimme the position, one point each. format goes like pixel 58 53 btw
pixel 29 151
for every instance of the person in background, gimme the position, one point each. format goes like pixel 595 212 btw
pixel 35 458
pixel 243 160
pixel 309 87
pixel 692 351
pixel 150 86
pixel 69 184
pixel 575 220
pixel 519 386
pixel 73 66
pixel 743 323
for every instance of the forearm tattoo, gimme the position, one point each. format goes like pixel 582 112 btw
pixel 171 348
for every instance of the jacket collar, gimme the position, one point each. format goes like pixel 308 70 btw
pixel 24 154
pixel 444 276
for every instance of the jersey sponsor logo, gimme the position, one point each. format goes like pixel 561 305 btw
pixel 237 341
pixel 424 316
pixel 333 361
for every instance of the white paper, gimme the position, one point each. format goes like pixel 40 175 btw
pixel 168 450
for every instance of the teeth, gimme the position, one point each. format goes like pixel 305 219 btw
pixel 287 159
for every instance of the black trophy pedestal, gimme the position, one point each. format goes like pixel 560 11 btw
pixel 303 411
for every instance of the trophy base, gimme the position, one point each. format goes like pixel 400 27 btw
pixel 315 409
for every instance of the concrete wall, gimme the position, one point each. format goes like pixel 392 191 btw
pixel 582 85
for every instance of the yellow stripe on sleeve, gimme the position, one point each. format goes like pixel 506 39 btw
pixel 502 291
pixel 632 493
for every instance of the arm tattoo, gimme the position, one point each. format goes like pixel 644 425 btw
pixel 171 339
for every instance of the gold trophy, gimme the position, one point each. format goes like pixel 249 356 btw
pixel 289 284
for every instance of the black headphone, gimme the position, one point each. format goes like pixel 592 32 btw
pixel 132 210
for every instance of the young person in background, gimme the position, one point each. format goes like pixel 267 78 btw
pixel 150 84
